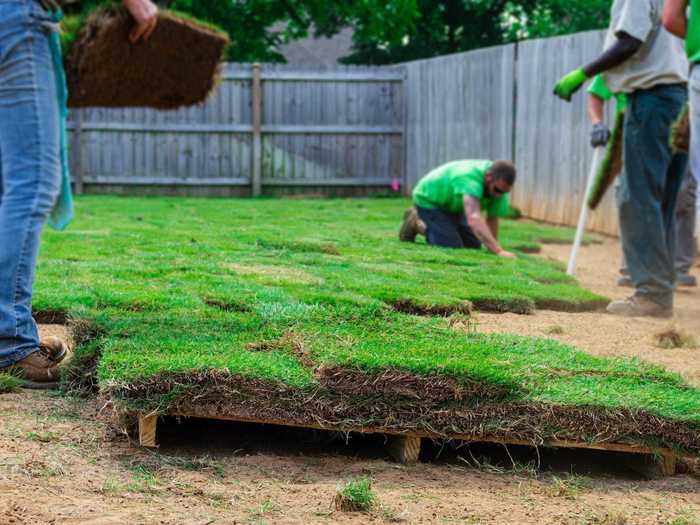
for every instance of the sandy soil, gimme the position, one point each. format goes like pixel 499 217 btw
pixel 63 462
pixel 606 335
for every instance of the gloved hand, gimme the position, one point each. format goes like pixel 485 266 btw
pixel 600 135
pixel 569 84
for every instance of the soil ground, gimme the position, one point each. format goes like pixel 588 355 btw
pixel 605 335
pixel 63 462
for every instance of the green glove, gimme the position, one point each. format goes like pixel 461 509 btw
pixel 570 84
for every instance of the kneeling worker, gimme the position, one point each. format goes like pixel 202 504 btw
pixel 449 202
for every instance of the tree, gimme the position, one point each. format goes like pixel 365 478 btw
pixel 258 27
pixel 450 26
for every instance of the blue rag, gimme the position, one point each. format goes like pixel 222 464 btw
pixel 62 213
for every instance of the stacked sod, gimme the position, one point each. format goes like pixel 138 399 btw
pixel 286 310
pixel 176 67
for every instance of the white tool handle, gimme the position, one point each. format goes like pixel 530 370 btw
pixel 581 228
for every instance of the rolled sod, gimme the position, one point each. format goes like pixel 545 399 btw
pixel 177 66
pixel 680 131
pixel 611 165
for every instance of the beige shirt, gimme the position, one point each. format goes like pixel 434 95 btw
pixel 661 59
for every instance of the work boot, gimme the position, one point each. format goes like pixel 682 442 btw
pixel 625 281
pixel 54 349
pixel 411 226
pixel 686 280
pixel 638 306
pixel 36 371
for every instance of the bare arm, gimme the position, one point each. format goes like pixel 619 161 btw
pixel 482 230
pixel 493 226
pixel 595 109
pixel 674 17
pixel 622 50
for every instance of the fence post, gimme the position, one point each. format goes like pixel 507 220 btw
pixel 77 151
pixel 257 132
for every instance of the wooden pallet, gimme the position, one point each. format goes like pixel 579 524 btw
pixel 405 447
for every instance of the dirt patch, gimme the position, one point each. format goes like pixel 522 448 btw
pixel 176 67
pixel 599 333
pixel 291 343
pixel 300 247
pixel 411 307
pixel 227 306
pixel 672 338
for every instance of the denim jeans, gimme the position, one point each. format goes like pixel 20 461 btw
pixel 449 230
pixel 30 166
pixel 649 185
pixel 694 98
pixel 685 224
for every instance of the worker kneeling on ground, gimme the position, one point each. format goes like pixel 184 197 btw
pixel 449 202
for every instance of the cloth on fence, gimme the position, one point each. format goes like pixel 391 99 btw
pixel 62 213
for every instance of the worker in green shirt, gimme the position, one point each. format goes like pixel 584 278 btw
pixel 449 202
pixel 599 94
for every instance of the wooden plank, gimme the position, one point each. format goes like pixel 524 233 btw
pixel 349 181
pixel 164 128
pixel 147 430
pixel 332 129
pixel 155 181
pixel 256 185
pixel 404 449
pixel 668 455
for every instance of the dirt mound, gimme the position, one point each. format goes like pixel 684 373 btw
pixel 176 67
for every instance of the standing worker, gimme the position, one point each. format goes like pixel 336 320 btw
pixel 599 94
pixel 31 81
pixel 449 202
pixel 647 64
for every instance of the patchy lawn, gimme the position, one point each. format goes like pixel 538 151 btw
pixel 313 311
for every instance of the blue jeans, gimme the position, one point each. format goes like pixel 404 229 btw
pixel 29 165
pixel 448 230
pixel 694 98
pixel 649 187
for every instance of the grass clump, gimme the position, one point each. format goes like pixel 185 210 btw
pixel 355 496
pixel 673 338
pixel 9 383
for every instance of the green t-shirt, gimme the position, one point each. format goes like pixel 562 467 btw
pixel 446 186
pixel 600 89
pixel 692 38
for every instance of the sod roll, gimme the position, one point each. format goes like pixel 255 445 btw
pixel 611 165
pixel 177 66
pixel 680 132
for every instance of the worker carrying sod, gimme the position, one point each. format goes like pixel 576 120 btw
pixel 449 203
pixel 648 65
pixel 32 88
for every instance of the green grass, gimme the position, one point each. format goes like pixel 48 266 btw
pixel 9 384
pixel 356 496
pixel 273 290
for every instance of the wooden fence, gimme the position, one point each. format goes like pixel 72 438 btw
pixel 265 127
pixel 497 103
pixel 354 130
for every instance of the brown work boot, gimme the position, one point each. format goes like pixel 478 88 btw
pixel 54 349
pixel 36 371
pixel 411 226
pixel 638 306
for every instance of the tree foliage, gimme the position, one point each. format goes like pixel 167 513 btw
pixel 450 26
pixel 258 27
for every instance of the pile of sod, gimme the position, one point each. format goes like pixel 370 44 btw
pixel 176 67
pixel 293 310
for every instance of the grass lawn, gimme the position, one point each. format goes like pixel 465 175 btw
pixel 297 310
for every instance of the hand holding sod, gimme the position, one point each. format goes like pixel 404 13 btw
pixel 145 15
pixel 570 84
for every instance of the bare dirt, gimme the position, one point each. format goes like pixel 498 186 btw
pixel 605 335
pixel 63 462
